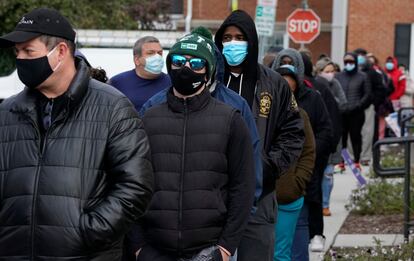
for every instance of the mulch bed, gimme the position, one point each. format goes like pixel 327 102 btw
pixel 376 224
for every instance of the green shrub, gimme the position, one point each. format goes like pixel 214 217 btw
pixel 378 197
pixel 377 253
pixel 7 61
pixel 394 160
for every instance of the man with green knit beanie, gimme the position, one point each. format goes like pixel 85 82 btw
pixel 197 46
pixel 203 186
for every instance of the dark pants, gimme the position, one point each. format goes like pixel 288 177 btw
pixel 300 246
pixel 352 125
pixel 315 219
pixel 259 237
pixel 376 129
pixel 313 197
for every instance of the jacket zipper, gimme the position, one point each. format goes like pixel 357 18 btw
pixel 36 126
pixel 180 207
pixel 1 187
pixel 42 146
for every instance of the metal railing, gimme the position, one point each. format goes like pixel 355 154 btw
pixel 404 117
pixel 404 171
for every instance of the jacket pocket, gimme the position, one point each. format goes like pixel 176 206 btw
pixel 83 233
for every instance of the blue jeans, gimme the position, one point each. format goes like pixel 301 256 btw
pixel 287 217
pixel 234 257
pixel 300 247
pixel 327 185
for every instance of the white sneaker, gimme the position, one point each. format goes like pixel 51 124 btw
pixel 317 243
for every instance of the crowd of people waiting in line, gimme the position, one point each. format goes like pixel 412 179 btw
pixel 223 158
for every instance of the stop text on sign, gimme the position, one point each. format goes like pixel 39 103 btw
pixel 305 26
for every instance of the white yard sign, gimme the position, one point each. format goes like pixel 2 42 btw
pixel 265 17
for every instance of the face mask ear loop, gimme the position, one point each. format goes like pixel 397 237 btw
pixel 57 66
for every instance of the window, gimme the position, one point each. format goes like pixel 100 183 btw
pixel 402 43
pixel 177 7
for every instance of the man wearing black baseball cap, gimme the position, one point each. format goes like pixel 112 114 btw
pixel 74 157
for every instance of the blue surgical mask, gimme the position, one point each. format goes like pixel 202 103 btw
pixel 361 60
pixel 349 67
pixel 235 52
pixel 289 66
pixel 389 66
pixel 154 64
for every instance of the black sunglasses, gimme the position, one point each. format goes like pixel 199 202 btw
pixel 195 63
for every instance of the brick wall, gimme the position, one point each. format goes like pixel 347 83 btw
pixel 220 9
pixel 321 45
pixel 371 24
pixel 323 8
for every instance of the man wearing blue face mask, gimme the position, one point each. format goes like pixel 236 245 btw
pixel 357 89
pixel 278 122
pixel 147 78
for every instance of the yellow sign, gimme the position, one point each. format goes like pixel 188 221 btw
pixel 234 5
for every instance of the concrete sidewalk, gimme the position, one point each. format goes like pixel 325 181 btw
pixel 364 240
pixel 343 186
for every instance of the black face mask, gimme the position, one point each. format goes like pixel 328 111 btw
pixel 33 72
pixel 186 81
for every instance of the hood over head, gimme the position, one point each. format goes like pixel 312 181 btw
pixel 308 64
pixel 355 70
pixel 394 61
pixel 245 23
pixel 322 63
pixel 297 62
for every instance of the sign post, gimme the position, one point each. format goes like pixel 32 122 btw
pixel 303 26
pixel 265 23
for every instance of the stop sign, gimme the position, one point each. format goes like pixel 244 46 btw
pixel 303 26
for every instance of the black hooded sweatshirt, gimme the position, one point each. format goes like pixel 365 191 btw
pixel 273 105
pixel 245 23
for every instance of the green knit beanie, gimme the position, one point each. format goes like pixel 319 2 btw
pixel 197 46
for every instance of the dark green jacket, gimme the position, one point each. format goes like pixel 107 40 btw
pixel 292 185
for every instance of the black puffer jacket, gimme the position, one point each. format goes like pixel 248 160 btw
pixel 204 177
pixel 357 88
pixel 75 198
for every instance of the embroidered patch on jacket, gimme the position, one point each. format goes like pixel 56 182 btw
pixel 265 104
pixel 294 104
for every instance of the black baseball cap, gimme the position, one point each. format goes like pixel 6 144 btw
pixel 40 21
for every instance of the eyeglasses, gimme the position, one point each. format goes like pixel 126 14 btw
pixel 195 63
